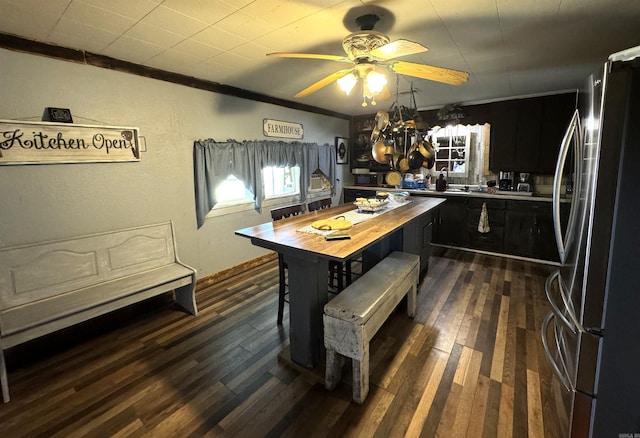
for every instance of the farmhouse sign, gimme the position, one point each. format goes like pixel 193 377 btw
pixel 45 142
pixel 277 128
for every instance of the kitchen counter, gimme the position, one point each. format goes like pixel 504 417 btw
pixel 519 225
pixel 514 196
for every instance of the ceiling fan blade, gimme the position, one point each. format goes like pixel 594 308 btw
pixel 309 56
pixel 397 48
pixel 324 82
pixel 430 72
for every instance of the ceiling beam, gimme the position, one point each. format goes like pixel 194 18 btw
pixel 15 43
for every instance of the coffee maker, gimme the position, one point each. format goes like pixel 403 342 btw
pixel 525 184
pixel 506 181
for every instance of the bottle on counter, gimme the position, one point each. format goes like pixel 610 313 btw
pixel 441 183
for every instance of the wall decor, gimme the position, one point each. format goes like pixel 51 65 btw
pixel 278 128
pixel 342 150
pixel 44 142
pixel 61 115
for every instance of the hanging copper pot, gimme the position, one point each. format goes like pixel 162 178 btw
pixel 422 149
pixel 393 178
pixel 375 135
pixel 431 155
pixel 403 165
pixel 429 162
pixel 395 160
pixel 378 152
pixel 389 150
pixel 415 160
pixel 382 120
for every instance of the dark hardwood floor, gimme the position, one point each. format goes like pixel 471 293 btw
pixel 470 364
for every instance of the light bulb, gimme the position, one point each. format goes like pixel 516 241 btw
pixel 347 83
pixel 376 82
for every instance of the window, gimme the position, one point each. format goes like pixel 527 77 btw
pixel 278 182
pixel 281 181
pixel 232 191
pixel 452 150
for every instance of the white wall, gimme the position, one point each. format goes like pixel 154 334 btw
pixel 53 201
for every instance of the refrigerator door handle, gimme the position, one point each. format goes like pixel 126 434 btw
pixel 571 325
pixel 564 379
pixel 577 327
pixel 572 136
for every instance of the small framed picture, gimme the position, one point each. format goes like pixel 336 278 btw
pixel 342 150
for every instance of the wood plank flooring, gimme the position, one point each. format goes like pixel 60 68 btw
pixel 470 364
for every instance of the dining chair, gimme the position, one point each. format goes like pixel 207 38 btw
pixel 337 271
pixel 319 204
pixel 276 215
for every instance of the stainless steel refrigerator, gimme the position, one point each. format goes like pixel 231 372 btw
pixel 592 335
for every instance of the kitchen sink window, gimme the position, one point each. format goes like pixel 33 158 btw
pixel 452 149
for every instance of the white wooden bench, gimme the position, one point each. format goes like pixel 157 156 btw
pixel 48 286
pixel 353 317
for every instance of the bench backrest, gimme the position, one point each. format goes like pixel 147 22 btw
pixel 42 270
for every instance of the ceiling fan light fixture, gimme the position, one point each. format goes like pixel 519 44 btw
pixel 375 82
pixel 347 83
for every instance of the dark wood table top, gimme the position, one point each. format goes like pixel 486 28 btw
pixel 282 236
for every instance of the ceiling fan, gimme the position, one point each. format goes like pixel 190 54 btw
pixel 368 49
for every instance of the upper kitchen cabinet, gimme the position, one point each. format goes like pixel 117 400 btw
pixel 502 154
pixel 526 133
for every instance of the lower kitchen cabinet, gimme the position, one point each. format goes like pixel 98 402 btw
pixel 517 227
pixel 450 226
pixel 493 240
pixel 529 230
pixel 417 237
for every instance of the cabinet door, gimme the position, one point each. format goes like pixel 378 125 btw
pixel 493 240
pixel 452 222
pixel 545 247
pixel 529 230
pixel 417 239
pixel 528 134
pixel 556 115
pixel 503 136
pixel 519 232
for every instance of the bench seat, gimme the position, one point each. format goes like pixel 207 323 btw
pixel 48 286
pixel 353 317
pixel 29 321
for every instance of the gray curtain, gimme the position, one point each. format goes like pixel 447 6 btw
pixel 213 162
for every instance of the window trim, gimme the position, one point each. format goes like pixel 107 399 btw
pixel 268 204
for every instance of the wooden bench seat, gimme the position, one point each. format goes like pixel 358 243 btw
pixel 353 317
pixel 48 286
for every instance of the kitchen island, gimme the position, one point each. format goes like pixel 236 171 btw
pixel 405 228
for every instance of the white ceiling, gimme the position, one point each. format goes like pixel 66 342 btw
pixel 510 48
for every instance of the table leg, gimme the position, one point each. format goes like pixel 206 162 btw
pixel 308 286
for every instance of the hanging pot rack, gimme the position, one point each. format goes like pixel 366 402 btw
pixel 400 124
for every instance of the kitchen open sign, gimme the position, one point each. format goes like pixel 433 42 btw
pixel 45 142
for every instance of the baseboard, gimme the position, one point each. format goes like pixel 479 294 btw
pixel 219 276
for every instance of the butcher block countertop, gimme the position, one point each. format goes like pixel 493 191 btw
pixel 283 235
